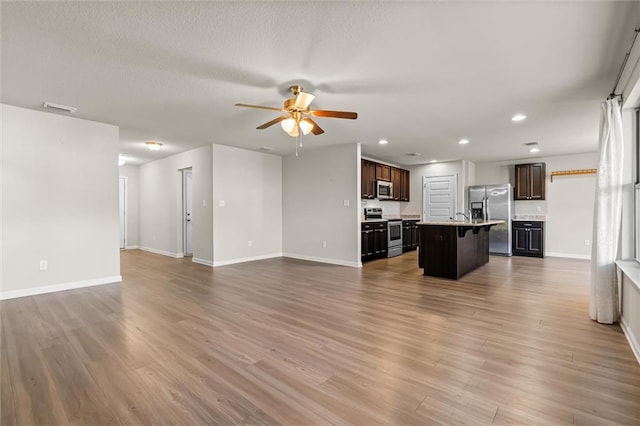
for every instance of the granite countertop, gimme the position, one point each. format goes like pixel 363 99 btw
pixel 462 223
pixel 536 217
pixel 374 220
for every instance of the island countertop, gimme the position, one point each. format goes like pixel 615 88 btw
pixel 462 223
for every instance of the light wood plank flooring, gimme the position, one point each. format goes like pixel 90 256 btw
pixel 283 341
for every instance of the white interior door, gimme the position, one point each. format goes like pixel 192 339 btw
pixel 187 197
pixel 439 197
pixel 122 208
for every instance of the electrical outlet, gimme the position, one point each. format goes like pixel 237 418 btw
pixel 324 244
pixel 250 243
pixel 539 209
pixel 346 203
pixel 44 265
pixel 587 242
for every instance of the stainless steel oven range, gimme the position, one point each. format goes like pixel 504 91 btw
pixel 394 238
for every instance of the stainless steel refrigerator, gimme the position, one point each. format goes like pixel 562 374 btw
pixel 494 202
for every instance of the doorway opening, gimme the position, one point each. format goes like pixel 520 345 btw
pixel 187 210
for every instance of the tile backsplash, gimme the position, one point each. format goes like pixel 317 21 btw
pixel 529 208
pixel 389 208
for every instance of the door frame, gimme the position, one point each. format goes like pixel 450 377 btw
pixel 186 171
pixel 125 207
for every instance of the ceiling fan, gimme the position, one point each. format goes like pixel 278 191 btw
pixel 298 115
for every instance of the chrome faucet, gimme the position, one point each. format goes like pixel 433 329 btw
pixel 465 215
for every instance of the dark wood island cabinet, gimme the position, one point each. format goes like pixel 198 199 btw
pixel 453 249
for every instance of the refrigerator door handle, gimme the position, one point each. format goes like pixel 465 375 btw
pixel 487 212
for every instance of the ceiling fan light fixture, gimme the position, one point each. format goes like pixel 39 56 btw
pixel 303 100
pixel 153 145
pixel 305 126
pixel 294 132
pixel 288 124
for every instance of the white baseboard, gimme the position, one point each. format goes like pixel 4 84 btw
pixel 13 294
pixel 162 252
pixel 569 255
pixel 635 347
pixel 131 247
pixel 246 259
pixel 357 264
pixel 205 262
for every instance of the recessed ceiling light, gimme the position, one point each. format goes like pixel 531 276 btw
pixel 518 117
pixel 153 145
pixel 433 161
pixel 463 141
pixel 383 141
pixel 534 150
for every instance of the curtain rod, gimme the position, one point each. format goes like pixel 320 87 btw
pixel 624 63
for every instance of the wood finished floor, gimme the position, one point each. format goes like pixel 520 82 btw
pixel 283 341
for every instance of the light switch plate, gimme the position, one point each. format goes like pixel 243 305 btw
pixel 222 203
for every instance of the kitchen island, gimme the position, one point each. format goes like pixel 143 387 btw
pixel 451 249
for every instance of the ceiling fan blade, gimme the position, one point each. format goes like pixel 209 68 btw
pixel 334 114
pixel 272 122
pixel 303 100
pixel 260 107
pixel 316 130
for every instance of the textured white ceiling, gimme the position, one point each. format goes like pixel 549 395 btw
pixel 422 75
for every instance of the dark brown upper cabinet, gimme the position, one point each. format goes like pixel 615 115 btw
pixel 404 185
pixel 370 172
pixel 383 172
pixel 368 179
pixel 395 181
pixel 529 181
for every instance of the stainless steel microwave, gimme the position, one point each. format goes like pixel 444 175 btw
pixel 384 190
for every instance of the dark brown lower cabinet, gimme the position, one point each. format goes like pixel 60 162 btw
pixel 374 240
pixel 409 235
pixel 527 238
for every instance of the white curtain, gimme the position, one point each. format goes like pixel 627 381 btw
pixel 603 305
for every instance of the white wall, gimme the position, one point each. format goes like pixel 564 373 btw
pixel 315 187
pixel 60 202
pixel 249 224
pixel 463 169
pixel 160 205
pixel 131 173
pixel 569 201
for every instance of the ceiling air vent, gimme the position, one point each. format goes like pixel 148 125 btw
pixel 414 154
pixel 531 143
